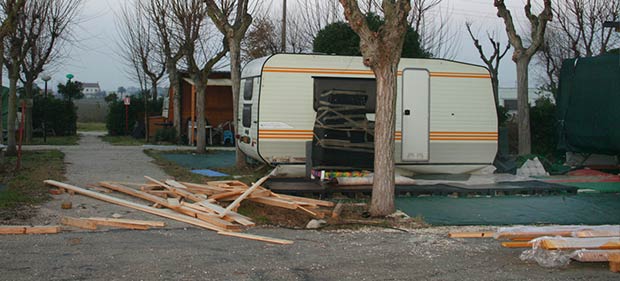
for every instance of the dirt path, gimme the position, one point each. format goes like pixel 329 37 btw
pixel 90 162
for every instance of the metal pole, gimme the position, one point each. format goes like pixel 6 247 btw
pixel 21 136
pixel 126 119
pixel 283 43
pixel 44 113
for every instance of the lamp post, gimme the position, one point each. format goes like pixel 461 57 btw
pixel 45 78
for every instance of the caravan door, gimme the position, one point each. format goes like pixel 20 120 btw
pixel 415 115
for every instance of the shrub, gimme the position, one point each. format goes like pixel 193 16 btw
pixel 60 115
pixel 544 127
pixel 166 135
pixel 115 121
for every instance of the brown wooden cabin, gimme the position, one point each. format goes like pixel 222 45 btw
pixel 218 105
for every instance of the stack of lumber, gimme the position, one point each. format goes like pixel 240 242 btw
pixel 211 205
pixel 583 243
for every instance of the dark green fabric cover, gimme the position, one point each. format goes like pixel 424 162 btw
pixel 589 105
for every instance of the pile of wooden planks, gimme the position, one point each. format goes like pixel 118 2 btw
pixel 583 243
pixel 210 205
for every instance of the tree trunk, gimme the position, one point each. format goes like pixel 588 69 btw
pixel 201 134
pixel 176 104
pixel 525 141
pixel 146 116
pixel 154 89
pixel 495 85
pixel 235 77
pixel 1 91
pixel 28 97
pixel 11 150
pixel 382 203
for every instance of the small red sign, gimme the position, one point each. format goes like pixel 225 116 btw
pixel 127 100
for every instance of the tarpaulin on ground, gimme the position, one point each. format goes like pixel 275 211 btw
pixel 588 102
pixel 212 159
pixel 592 209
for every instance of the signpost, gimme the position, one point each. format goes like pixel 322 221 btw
pixel 127 102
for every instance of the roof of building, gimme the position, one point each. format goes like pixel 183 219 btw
pixel 90 85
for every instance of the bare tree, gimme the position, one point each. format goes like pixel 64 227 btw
pixel 312 16
pixel 11 10
pixel 381 52
pixel 522 56
pixel 492 62
pixel 576 32
pixel 432 24
pixel 261 40
pixel 139 48
pixel 194 36
pixel 232 21
pixel 160 14
pixel 46 26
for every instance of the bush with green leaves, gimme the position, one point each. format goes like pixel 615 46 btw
pixel 60 115
pixel 115 121
pixel 338 38
pixel 166 135
pixel 544 127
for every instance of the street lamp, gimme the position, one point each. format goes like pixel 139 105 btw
pixel 45 78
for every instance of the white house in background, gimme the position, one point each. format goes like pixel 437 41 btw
pixel 508 97
pixel 90 90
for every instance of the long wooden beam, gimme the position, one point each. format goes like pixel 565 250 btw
pixel 245 194
pixel 210 218
pixel 140 207
pixel 257 237
pixel 19 229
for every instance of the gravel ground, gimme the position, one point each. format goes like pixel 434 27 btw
pixel 181 252
pixel 193 254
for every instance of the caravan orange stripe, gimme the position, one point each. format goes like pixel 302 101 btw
pixel 275 69
pixel 434 136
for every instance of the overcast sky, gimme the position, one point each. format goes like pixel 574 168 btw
pixel 94 59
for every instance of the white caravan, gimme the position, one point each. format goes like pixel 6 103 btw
pixel 446 118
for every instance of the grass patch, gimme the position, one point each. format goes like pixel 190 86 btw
pixel 63 140
pixel 123 140
pixel 91 127
pixel 25 187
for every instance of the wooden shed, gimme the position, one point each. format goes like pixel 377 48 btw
pixel 218 106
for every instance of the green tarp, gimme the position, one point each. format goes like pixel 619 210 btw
pixel 589 105
pixel 591 209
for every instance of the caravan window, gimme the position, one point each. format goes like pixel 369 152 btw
pixel 248 88
pixel 247 115
pixel 324 84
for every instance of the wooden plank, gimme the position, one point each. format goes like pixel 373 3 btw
pixel 202 188
pixel 173 203
pixel 337 210
pixel 245 194
pixel 211 219
pixel 594 255
pixel 225 195
pixel 277 202
pixel 12 229
pixel 178 191
pixel 614 262
pixel 243 220
pixel 52 229
pixel 471 234
pixel 317 202
pixel 257 238
pixel 103 221
pixel 517 244
pixel 79 223
pixel 159 212
pixel 604 243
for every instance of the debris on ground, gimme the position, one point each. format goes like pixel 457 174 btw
pixel 556 246
pixel 212 205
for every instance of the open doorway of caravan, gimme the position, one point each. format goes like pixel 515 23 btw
pixel 416 115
